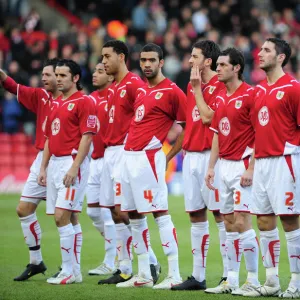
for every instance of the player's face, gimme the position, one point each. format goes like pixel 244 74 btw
pixel 49 79
pixel 197 59
pixel 100 78
pixel 64 79
pixel 225 69
pixel 111 61
pixel 150 64
pixel 267 56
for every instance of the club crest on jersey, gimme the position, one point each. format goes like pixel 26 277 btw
pixel 140 113
pixel 238 104
pixel 123 93
pixel 196 114
pixel 71 106
pixel 279 95
pixel 211 89
pixel 263 116
pixel 55 126
pixel 158 95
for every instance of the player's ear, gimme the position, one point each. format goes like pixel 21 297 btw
pixel 111 78
pixel 281 57
pixel 122 57
pixel 161 63
pixel 208 62
pixel 75 78
pixel 237 68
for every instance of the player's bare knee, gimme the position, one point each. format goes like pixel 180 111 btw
pixel 134 215
pixel 198 216
pixel 229 222
pixel 243 222
pixel 62 217
pixel 218 216
pixel 25 209
pixel 160 214
pixel 266 223
pixel 74 218
pixel 289 223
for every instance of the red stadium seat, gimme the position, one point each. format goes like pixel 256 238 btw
pixel 4 170
pixel 19 148
pixel 5 138
pixel 5 148
pixel 19 138
pixel 20 160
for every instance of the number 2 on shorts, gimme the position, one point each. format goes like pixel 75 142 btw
pixel 289 199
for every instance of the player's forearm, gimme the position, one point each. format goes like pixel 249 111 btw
pixel 214 154
pixel 46 156
pixel 176 147
pixel 205 112
pixel 10 85
pixel 83 149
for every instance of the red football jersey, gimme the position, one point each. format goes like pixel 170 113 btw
pixel 277 117
pixel 38 101
pixel 197 136
pixel 100 99
pixel 156 109
pixel 68 122
pixel 232 122
pixel 120 100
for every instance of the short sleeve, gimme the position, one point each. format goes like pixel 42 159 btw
pixel 87 116
pixel 294 102
pixel 214 122
pixel 136 82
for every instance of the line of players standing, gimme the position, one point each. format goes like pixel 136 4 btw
pixel 223 120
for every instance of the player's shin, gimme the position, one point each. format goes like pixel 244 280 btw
pixel 124 244
pixel 140 240
pixel 250 248
pixel 234 257
pixel 200 245
pixel 66 234
pixel 222 238
pixel 168 239
pixel 77 249
pixel 270 250
pixel 32 235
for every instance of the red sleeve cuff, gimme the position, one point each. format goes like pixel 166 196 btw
pixel 10 85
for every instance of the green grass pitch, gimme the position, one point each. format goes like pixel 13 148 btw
pixel 14 257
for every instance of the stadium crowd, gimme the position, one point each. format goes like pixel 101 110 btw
pixel 175 25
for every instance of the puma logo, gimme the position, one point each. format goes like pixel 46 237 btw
pixel 68 250
pixel 249 249
pixel 109 241
pixel 166 245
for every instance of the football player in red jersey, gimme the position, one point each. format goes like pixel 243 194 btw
pixel 65 166
pixel 120 102
pixel 201 98
pixel 157 105
pixel 233 143
pixel 37 100
pixel 101 217
pixel 276 186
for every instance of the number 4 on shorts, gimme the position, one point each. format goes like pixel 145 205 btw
pixel 148 195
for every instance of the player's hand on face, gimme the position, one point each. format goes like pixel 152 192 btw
pixel 247 178
pixel 195 78
pixel 42 178
pixel 70 177
pixel 209 179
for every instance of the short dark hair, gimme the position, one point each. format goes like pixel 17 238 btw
pixel 151 47
pixel 209 50
pixel 281 47
pixel 51 62
pixel 236 57
pixel 74 69
pixel 118 46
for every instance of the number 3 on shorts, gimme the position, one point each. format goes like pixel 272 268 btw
pixel 289 199
pixel 148 195
pixel 237 197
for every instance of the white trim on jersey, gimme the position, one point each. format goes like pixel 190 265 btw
pixel 294 80
pixel 206 88
pixel 104 101
pixel 280 87
pixel 121 87
pixel 214 130
pixel 93 99
pixel 46 93
pixel 251 88
pixel 77 99
pixel 221 98
pixel 265 90
pixel 238 97
pixel 160 90
pixel 142 90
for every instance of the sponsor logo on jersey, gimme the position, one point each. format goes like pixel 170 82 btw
pixel 279 95
pixel 111 114
pixel 238 104
pixel 158 95
pixel 71 106
pixel 55 126
pixel 91 121
pixel 196 114
pixel 140 113
pixel 211 89
pixel 224 126
pixel 123 93
pixel 263 116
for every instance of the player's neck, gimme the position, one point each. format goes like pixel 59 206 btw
pixel 123 71
pixel 274 75
pixel 232 86
pixel 104 87
pixel 68 94
pixel 155 81
pixel 56 94
pixel 207 75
